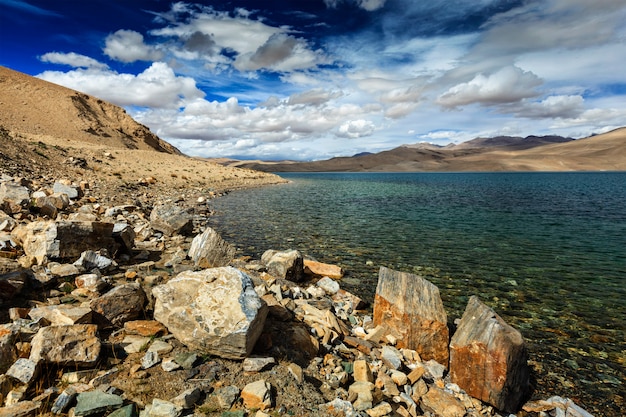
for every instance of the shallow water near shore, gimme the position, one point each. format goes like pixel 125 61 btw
pixel 547 251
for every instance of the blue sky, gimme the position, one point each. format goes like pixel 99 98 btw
pixel 314 79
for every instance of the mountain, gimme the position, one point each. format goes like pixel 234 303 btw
pixel 504 153
pixel 51 132
pixel 36 107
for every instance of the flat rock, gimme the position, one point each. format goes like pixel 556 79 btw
pixel 145 328
pixel 23 370
pixel 76 345
pixel 215 311
pixel 96 402
pixel 21 409
pixel 209 250
pixel 64 314
pixel 442 403
pixel 171 220
pixel 411 307
pixel 320 269
pixel 488 358
pixel 258 364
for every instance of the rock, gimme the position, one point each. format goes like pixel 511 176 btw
pixel 360 394
pixel 320 269
pixel 398 377
pixel 21 409
pixel 96 402
pixel 123 303
pixel 257 395
pixel 62 270
pixel 215 311
pixel 76 345
pixel 8 354
pixel 391 357
pixel 226 396
pixel 296 371
pixel 161 408
pixel 64 314
pixel 161 347
pixel 442 403
pixel 91 260
pixel 124 234
pixel 63 401
pixel 209 250
pixel 411 307
pixel 170 365
pixel 382 409
pixel 24 370
pixel 145 328
pixel 91 282
pixel 13 197
pixel 12 283
pixel 361 371
pixel 258 364
pixel 171 220
pixel 149 360
pixel 488 358
pixel 71 191
pixel 64 239
pixel 188 398
pixel 341 407
pixel 330 286
pixel 284 264
pixel 126 411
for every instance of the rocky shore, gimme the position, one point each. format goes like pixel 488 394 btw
pixel 130 305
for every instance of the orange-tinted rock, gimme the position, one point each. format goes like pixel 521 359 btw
pixel 412 310
pixel 322 270
pixel 145 328
pixel 488 358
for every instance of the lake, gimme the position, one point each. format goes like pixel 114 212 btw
pixel 547 251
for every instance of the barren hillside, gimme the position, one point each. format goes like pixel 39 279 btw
pixel 51 131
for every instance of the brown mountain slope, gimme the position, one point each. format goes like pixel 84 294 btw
pixel 48 132
pixel 30 106
pixel 606 152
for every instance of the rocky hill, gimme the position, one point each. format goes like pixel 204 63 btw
pixel 36 108
pixel 606 152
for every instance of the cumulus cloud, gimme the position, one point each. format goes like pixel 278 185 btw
pixel 355 129
pixel 509 84
pixel 369 5
pixel 72 59
pixel 129 46
pixel 238 39
pixel 157 86
pixel 313 97
pixel 564 107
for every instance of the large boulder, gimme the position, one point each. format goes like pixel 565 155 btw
pixel 171 220
pixel 47 240
pixel 215 311
pixel 488 358
pixel 209 250
pixel 76 345
pixel 411 308
pixel 13 197
pixel 284 264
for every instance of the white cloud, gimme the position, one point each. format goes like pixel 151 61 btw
pixel 563 107
pixel 369 5
pixel 129 46
pixel 157 86
pixel 354 129
pixel 509 84
pixel 281 52
pixel 313 97
pixel 72 59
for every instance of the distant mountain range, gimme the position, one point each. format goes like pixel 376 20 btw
pixel 606 152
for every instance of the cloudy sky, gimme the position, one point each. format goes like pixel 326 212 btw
pixel 313 79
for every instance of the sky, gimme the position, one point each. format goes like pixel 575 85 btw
pixel 315 79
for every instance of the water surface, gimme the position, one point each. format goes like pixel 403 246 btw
pixel 547 251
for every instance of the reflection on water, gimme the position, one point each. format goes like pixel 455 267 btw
pixel 546 250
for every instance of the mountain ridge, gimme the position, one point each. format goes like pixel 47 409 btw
pixel 503 153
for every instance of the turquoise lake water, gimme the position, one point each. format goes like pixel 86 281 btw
pixel 547 251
